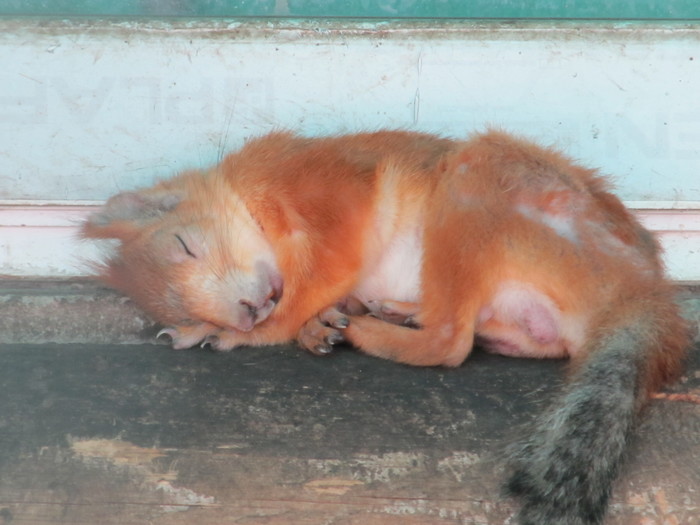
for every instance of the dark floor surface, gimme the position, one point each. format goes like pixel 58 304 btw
pixel 145 434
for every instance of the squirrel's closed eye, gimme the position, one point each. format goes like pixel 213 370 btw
pixel 184 245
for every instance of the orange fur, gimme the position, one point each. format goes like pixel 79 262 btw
pixel 486 228
pixel 307 203
pixel 445 244
pixel 514 227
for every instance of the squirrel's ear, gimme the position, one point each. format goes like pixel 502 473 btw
pixel 125 213
pixel 276 219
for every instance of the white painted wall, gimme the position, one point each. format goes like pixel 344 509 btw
pixel 91 108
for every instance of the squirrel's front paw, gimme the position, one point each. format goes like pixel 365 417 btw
pixel 223 341
pixel 187 336
pixel 322 332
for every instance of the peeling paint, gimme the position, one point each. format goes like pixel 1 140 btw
pixel 374 468
pixel 138 463
pixel 183 497
pixel 457 464
pixel 116 451
pixel 332 486
pixel 392 466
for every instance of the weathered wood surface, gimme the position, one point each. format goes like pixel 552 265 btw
pixel 145 434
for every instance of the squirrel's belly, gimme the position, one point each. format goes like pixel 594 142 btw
pixel 396 274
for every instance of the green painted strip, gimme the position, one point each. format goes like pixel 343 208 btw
pixel 499 9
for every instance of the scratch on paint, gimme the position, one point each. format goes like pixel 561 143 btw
pixel 416 97
pixel 416 106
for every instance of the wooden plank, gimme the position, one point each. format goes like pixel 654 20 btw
pixel 145 434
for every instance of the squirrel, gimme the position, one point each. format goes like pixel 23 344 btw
pixel 416 248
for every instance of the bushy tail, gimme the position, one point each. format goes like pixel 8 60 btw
pixel 564 471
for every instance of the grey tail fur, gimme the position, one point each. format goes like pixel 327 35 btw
pixel 564 471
